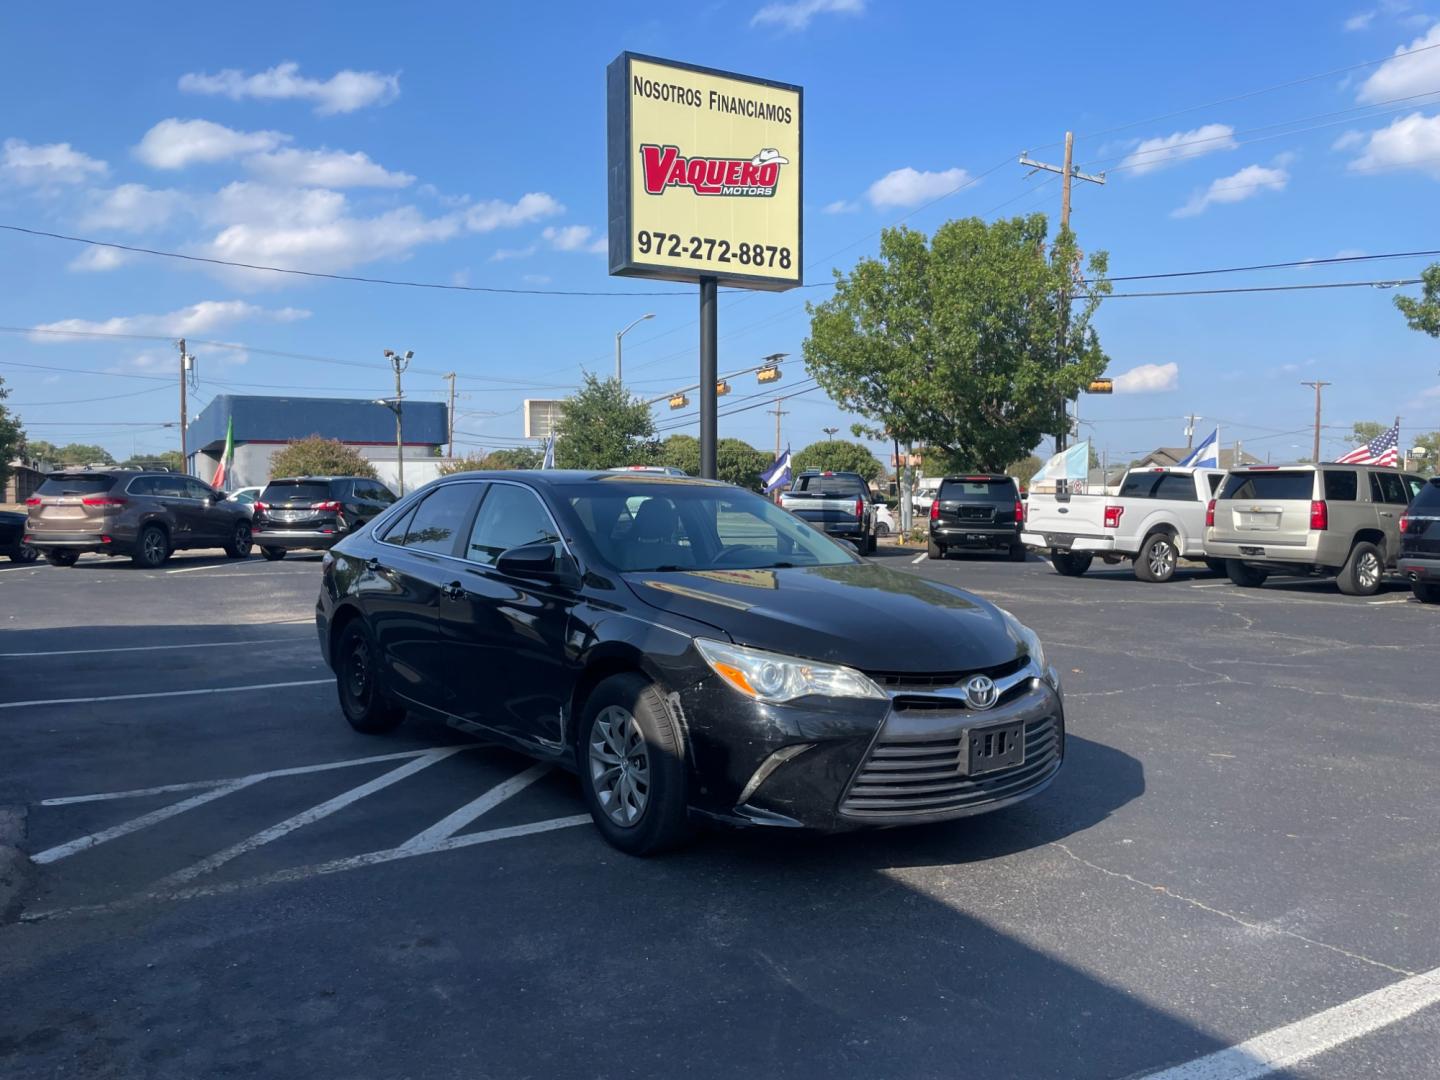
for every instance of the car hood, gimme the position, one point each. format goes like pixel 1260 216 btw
pixel 861 614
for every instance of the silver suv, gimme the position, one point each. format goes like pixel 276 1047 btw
pixel 1340 520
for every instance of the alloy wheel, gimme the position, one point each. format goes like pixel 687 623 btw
pixel 242 538
pixel 1367 570
pixel 619 766
pixel 154 546
pixel 1162 560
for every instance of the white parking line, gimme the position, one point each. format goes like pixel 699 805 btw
pixel 449 825
pixel 163 694
pixel 1212 585
pixel 919 558
pixel 207 566
pixel 12 569
pixel 1307 1038
pixel 153 648
pixel 1392 600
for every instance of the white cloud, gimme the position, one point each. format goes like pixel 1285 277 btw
pixel 133 208
pixel 796 14
pixel 506 254
pixel 1148 379
pixel 97 260
pixel 575 238
pixel 1245 184
pixel 1349 140
pixel 343 92
pixel 1360 20
pixel 174 143
pixel 908 187
pixel 1163 150
pixel 325 169
pixel 1402 75
pixel 198 318
pixel 497 214
pixel 45 164
pixel 840 206
pixel 1409 142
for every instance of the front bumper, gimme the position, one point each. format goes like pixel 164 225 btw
pixel 975 536
pixel 291 539
pixel 839 765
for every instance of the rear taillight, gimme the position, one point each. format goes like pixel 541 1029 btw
pixel 934 509
pixel 1112 516
pixel 859 507
pixel 34 500
pixel 101 500
pixel 1210 515
pixel 260 507
pixel 1404 522
pixel 1319 514
pixel 1019 512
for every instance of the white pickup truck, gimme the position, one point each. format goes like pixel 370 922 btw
pixel 1157 519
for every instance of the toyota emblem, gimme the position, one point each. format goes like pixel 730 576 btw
pixel 980 692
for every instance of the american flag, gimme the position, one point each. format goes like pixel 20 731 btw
pixel 1384 449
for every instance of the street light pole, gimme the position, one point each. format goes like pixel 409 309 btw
pixel 621 334
pixel 399 362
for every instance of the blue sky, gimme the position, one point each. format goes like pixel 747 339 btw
pixel 465 144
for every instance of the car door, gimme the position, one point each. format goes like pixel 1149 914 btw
pixel 507 637
pixel 212 517
pixel 399 591
pixel 1390 496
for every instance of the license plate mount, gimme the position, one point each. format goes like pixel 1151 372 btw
pixel 999 746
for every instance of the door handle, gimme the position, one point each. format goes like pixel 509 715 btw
pixel 453 591
pixel 1386 513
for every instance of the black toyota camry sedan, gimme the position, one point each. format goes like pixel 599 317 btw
pixel 691 651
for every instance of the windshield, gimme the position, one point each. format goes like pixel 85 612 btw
pixel 278 491
pixel 660 526
pixel 833 484
pixel 997 491
pixel 75 485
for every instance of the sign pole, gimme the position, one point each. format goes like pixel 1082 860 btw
pixel 709 374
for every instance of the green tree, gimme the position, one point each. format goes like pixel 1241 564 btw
pixel 518 457
pixel 1025 468
pixel 12 436
pixel 1429 465
pixel 315 456
pixel 968 344
pixel 603 427
pixel 838 455
pixel 1365 430
pixel 83 454
pixel 1424 314
pixel 42 451
pixel 680 452
pixel 739 463
pixel 170 459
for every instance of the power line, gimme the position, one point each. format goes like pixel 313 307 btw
pixel 1278 265
pixel 1269 288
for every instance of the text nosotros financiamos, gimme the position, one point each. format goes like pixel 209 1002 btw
pixel 732 104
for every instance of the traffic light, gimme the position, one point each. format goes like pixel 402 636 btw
pixel 679 401
pixel 722 388
pixel 1101 386
pixel 768 374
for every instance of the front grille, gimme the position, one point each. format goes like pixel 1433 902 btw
pixel 903 681
pixel 904 779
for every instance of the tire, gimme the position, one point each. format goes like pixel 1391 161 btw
pixel 1363 572
pixel 26 554
pixel 642 809
pixel 1247 577
pixel 1217 566
pixel 357 683
pixel 1425 592
pixel 867 544
pixel 152 548
pixel 240 541
pixel 273 554
pixel 1018 553
pixel 881 529
pixel 1157 559
pixel 934 550
pixel 1068 564
pixel 61 557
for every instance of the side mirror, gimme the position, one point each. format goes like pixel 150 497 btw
pixel 537 561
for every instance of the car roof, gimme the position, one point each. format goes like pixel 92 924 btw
pixel 989 478
pixel 550 477
pixel 292 479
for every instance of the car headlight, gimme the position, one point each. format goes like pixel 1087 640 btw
pixel 1027 637
pixel 768 676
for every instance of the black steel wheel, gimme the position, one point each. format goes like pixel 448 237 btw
pixel 362 698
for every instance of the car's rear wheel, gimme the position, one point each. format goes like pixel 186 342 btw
pixel 26 554
pixel 240 541
pixel 1247 577
pixel 274 554
pixel 1018 553
pixel 881 529
pixel 934 550
pixel 362 699
pixel 62 557
pixel 867 544
pixel 1217 566
pixel 1068 564
pixel 632 767
pixel 1425 592
pixel 1363 571
pixel 1157 559
pixel 152 548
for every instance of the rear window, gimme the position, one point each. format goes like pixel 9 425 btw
pixel 1159 485
pixel 831 485
pixel 1428 498
pixel 1341 485
pixel 996 491
pixel 296 491
pixel 76 485
pixel 1269 486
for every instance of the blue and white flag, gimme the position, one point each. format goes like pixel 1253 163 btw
pixel 1072 465
pixel 1207 454
pixel 778 474
pixel 548 461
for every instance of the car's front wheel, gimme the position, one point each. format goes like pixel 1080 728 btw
pixel 62 557
pixel 362 699
pixel 273 554
pixel 1425 592
pixel 632 767
pixel 238 546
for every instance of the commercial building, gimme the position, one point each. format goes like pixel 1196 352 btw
pixel 264 425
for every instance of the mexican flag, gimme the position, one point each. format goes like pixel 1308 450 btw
pixel 227 459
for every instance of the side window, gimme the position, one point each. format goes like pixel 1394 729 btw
pixel 341 490
pixel 194 489
pixel 1215 479
pixel 509 517
pixel 1392 488
pixel 395 532
pixel 142 485
pixel 439 520
pixel 1177 486
pixel 170 487
pixel 1341 486
pixel 1137 486
pixel 1414 485
pixel 381 494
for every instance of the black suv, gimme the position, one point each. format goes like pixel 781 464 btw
pixel 977 513
pixel 314 511
pixel 1420 543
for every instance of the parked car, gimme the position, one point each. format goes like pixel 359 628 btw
pixel 977 513
pixel 1419 559
pixel 884 520
pixel 705 655
pixel 144 514
pixel 1329 519
pixel 837 503
pixel 296 512
pixel 1157 519
pixel 12 538
pixel 246 495
pixel 924 495
pixel 662 470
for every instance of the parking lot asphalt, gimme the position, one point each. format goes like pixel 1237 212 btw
pixel 219 877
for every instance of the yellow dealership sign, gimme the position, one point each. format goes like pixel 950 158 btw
pixel 704 175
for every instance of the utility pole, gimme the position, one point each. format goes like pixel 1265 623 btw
pixel 185 359
pixel 1190 430
pixel 450 415
pixel 399 362
pixel 779 412
pixel 1318 385
pixel 1067 172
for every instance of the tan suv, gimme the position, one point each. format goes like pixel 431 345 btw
pixel 1340 520
pixel 143 514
